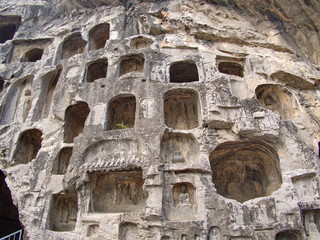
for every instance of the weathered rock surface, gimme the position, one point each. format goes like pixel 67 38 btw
pixel 160 119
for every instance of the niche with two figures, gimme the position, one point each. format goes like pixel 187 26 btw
pixel 120 191
pixel 181 109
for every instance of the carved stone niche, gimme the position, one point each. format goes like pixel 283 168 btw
pixel 18 101
pixel 29 143
pixel 98 36
pixel 184 71
pixel 140 42
pixel 312 223
pixel 121 112
pixel 63 212
pixel 75 118
pixel 181 109
pixel 288 235
pixel 244 170
pixel 72 45
pixel 97 69
pixel 62 163
pixel 183 194
pixel 115 192
pixel 214 233
pixel 132 63
pixel 278 100
pixel 179 148
pixel 231 65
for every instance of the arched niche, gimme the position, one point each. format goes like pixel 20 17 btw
pixel 8 27
pixel 73 45
pixel 63 212
pixel 278 100
pixel 288 235
pixel 75 118
pixel 179 148
pixel 121 112
pixel 32 55
pixel 97 69
pixel 183 194
pixel 140 42
pixel 292 80
pixel 184 71
pixel 244 170
pixel 29 143
pixel 117 191
pixel 98 36
pixel 62 163
pixel 132 63
pixel 9 215
pixel 181 109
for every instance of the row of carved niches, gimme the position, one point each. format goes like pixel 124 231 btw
pixel 244 170
pixel 8 27
pixel 118 191
pixel 75 117
pixel 63 212
pixel 29 143
pixel 181 109
pixel 179 149
pixel 277 99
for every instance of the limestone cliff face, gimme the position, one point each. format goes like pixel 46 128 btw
pixel 160 119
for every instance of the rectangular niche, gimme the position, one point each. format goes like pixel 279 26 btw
pixel 63 212
pixel 114 192
pixel 29 50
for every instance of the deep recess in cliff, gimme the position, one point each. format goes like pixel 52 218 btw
pixel 187 120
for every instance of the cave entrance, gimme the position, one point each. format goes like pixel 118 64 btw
pixel 8 27
pixel 244 170
pixel 288 235
pixel 75 118
pixel 9 215
pixel 63 161
pixel 182 72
